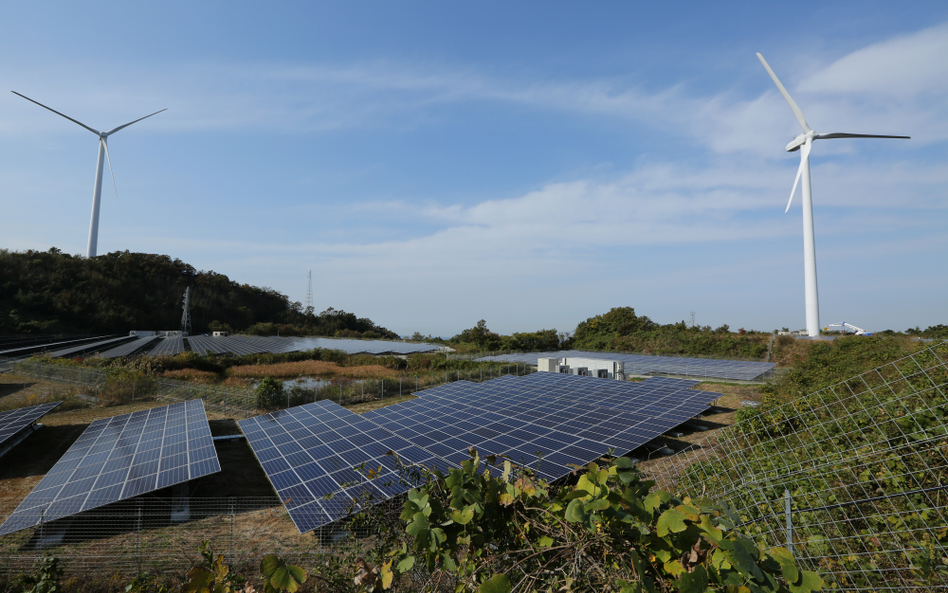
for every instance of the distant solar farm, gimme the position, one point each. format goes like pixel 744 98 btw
pixel 154 345
pixel 639 364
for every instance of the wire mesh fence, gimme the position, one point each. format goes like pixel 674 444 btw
pixel 162 535
pixel 852 478
pixel 74 375
pixel 243 403
pixel 87 385
pixel 240 403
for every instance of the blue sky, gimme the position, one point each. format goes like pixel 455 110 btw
pixel 530 164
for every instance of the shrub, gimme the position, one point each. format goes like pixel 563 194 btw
pixel 270 394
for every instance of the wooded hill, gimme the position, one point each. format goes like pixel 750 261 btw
pixel 45 292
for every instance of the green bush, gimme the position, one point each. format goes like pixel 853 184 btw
pixel 270 394
pixel 490 531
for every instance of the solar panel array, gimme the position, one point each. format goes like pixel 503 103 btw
pixel 640 364
pixel 168 346
pixel 121 457
pixel 89 347
pixel 308 452
pixel 569 420
pixel 41 347
pixel 358 346
pixel 239 345
pixel 14 421
pixel 130 348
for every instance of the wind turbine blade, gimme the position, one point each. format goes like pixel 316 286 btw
pixel 804 157
pixel 96 132
pixel 109 159
pixel 848 135
pixel 134 122
pixel 786 96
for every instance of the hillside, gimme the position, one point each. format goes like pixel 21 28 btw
pixel 43 292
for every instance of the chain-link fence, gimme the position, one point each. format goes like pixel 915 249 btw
pixel 240 403
pixel 73 375
pixel 243 403
pixel 88 385
pixel 853 478
pixel 163 536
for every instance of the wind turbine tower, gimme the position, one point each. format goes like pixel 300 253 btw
pixel 803 143
pixel 103 152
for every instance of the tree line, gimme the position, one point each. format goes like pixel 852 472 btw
pixel 51 292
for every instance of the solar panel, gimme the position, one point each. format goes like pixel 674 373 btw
pixel 14 421
pixel 517 416
pixel 99 346
pixel 130 348
pixel 309 454
pixel 122 457
pixel 639 364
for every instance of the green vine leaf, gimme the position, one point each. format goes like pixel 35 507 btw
pixel 499 583
pixel 694 582
pixel 670 521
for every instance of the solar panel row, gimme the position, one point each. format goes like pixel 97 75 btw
pixel 12 422
pixel 241 345
pixel 169 346
pixel 130 348
pixel 645 365
pixel 548 421
pixel 309 452
pixel 122 457
pixel 91 347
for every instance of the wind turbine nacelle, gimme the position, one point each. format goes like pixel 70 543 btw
pixel 796 143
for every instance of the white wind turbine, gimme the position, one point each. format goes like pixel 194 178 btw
pixel 103 151
pixel 805 142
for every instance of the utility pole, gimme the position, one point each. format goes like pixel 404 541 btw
pixel 309 296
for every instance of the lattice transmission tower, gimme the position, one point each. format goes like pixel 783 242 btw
pixel 309 295
pixel 186 316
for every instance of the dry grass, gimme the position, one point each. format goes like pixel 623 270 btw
pixel 379 403
pixel 191 375
pixel 312 367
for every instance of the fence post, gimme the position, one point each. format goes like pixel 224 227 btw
pixel 138 536
pixel 232 519
pixel 788 513
pixel 42 529
pixel 399 387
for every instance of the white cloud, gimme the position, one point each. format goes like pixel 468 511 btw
pixel 904 68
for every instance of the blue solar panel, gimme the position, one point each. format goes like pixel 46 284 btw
pixel 311 454
pixel 520 415
pixel 14 421
pixel 121 457
pixel 639 364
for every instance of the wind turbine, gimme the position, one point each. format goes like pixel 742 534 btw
pixel 804 143
pixel 103 150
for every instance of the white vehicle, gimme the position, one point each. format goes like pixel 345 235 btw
pixel 848 328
